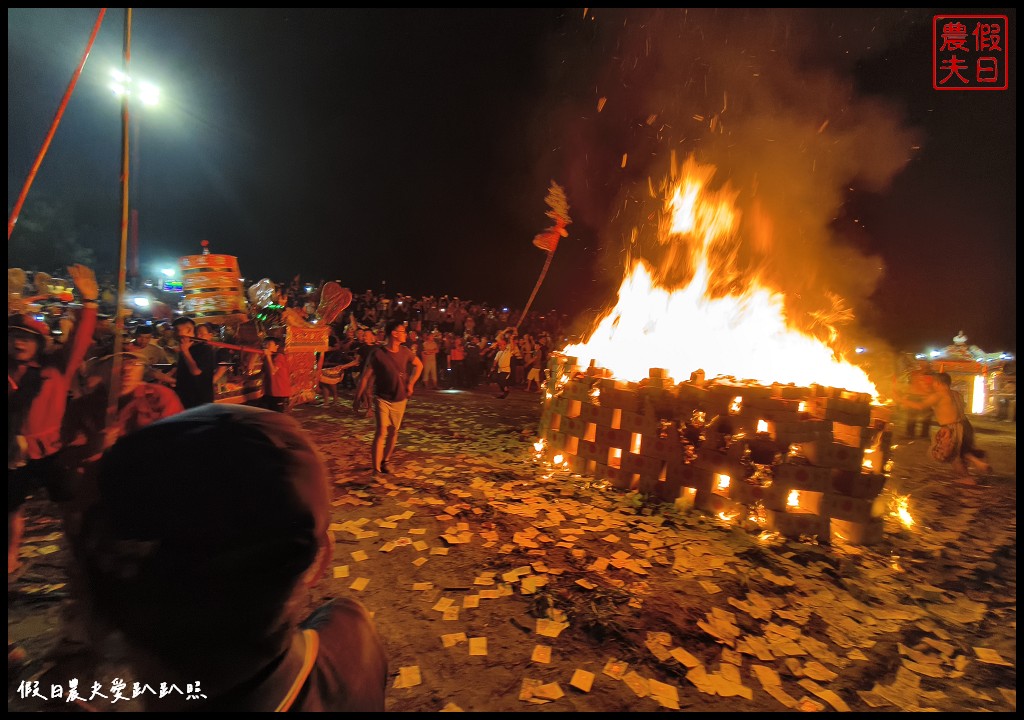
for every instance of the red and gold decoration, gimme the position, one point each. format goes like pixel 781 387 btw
pixel 212 286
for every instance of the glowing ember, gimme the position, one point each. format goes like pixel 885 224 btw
pixel 722 481
pixel 762 426
pixel 744 334
pixel 557 459
pixel 901 510
pixel 869 462
pixel 793 500
pixel 538 446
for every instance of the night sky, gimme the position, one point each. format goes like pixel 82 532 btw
pixel 411 150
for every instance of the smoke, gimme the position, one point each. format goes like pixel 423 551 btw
pixel 765 96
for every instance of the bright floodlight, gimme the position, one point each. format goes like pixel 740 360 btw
pixel 141 302
pixel 121 84
pixel 149 93
pixel 169 272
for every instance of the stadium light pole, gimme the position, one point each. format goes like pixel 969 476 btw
pixel 147 95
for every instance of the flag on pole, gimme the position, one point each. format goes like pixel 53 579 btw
pixel 559 212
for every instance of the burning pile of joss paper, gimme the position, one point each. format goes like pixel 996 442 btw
pixel 769 425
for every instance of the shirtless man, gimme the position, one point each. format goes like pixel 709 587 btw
pixel 954 440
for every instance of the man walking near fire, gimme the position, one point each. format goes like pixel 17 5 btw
pixel 388 368
pixel 954 441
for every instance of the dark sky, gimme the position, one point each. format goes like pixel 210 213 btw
pixel 415 147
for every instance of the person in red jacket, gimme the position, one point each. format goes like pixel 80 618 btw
pixel 37 395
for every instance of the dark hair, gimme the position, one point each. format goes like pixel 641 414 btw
pixel 168 561
pixel 182 320
pixel 944 378
pixel 393 325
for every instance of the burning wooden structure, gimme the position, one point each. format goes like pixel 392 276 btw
pixel 800 461
pixel 802 448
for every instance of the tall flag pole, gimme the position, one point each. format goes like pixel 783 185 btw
pixel 13 218
pixel 548 239
pixel 115 370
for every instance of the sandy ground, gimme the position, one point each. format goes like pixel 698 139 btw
pixel 500 586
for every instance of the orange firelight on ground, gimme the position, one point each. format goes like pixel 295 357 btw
pixel 745 334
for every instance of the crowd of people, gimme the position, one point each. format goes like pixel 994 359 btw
pixel 465 362
pixel 136 561
pixel 154 553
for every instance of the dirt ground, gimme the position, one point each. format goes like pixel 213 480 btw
pixel 499 585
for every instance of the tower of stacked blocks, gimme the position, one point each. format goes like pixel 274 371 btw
pixel 800 461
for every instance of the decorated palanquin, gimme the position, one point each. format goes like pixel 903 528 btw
pixel 214 293
pixel 212 286
pixel 304 348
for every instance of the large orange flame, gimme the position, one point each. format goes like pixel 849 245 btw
pixel 744 335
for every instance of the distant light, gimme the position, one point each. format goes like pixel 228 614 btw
pixel 935 353
pixel 919 356
pixel 169 272
pixel 978 404
pixel 861 350
pixel 141 302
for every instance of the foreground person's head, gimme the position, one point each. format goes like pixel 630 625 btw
pixel 209 527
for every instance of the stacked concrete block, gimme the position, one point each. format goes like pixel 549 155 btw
pixel 801 460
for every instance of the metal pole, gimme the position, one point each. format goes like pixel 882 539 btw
pixel 13 218
pixel 133 264
pixel 115 370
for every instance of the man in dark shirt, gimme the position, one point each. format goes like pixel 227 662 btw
pixel 388 368
pixel 193 374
